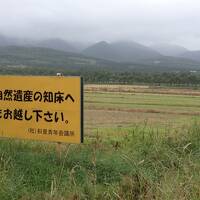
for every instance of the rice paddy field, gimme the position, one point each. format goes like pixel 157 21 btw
pixel 140 142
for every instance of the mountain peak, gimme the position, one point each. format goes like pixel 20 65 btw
pixel 120 51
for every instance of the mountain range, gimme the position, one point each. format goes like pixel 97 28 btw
pixel 122 53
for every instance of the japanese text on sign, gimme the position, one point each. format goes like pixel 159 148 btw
pixel 29 96
pixel 53 112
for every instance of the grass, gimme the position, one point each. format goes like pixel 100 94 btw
pixel 139 164
pixel 147 100
pixel 126 155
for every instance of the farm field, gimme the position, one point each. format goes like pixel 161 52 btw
pixel 127 106
pixel 141 142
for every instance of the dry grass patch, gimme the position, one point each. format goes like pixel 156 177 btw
pixel 141 89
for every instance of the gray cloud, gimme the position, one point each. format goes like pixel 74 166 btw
pixel 145 21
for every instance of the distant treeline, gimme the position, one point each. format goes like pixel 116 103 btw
pixel 103 76
pixel 145 78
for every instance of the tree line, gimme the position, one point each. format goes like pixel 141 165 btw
pixel 103 76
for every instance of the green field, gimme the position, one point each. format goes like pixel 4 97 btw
pixel 124 109
pixel 140 143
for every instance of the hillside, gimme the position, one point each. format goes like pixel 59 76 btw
pixel 102 50
pixel 57 44
pixel 129 51
pixel 171 63
pixel 52 43
pixel 193 55
pixel 18 57
pixel 120 51
pixel 36 56
pixel 7 41
pixel 13 57
pixel 169 49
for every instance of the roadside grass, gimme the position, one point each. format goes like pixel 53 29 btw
pixel 138 162
pixel 126 155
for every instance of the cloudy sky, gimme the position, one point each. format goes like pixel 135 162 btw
pixel 145 21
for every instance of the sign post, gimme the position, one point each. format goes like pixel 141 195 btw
pixel 42 108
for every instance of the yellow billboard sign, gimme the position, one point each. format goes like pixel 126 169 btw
pixel 42 108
